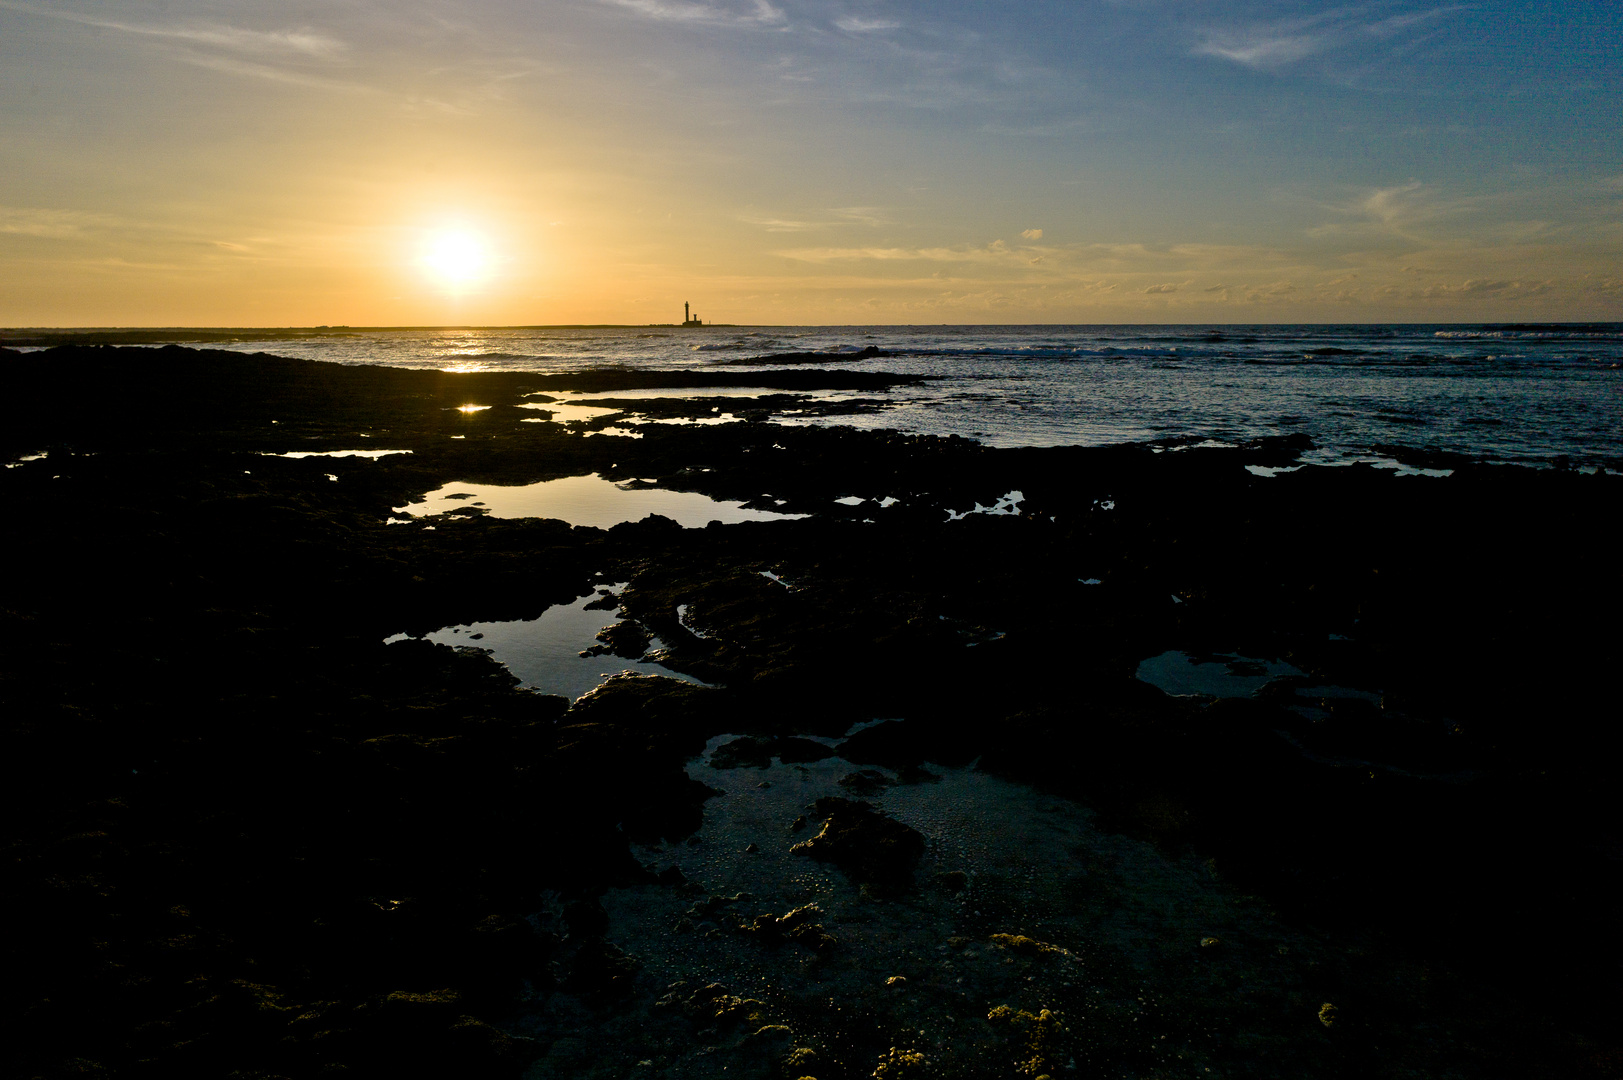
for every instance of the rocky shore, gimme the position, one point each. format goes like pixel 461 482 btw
pixel 246 837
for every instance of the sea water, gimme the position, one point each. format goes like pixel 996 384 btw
pixel 1532 394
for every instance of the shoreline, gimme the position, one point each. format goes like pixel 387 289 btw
pixel 377 855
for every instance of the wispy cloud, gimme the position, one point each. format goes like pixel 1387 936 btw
pixel 302 42
pixel 49 224
pixel 250 69
pixel 861 215
pixel 848 254
pixel 784 225
pixel 995 252
pixel 293 56
pixel 1032 234
pixel 1398 23
pixel 871 216
pixel 758 13
pixel 857 24
pixel 1398 212
pixel 1389 205
pixel 1259 49
pixel 1270 45
pixel 1483 289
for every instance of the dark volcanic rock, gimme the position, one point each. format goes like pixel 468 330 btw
pixel 711 1005
pixel 866 782
pixel 601 970
pixel 606 601
pixel 793 750
pixel 800 925
pixel 753 752
pixel 628 640
pixel 246 838
pixel 638 730
pixel 867 353
pixel 744 752
pixel 585 919
pixel 892 743
pixel 864 843
pixel 898 744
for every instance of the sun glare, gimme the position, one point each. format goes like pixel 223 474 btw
pixel 457 258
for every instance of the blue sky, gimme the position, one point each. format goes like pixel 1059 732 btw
pixel 193 162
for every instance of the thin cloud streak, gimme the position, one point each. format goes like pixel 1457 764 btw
pixel 1273 45
pixel 1255 51
pixel 869 216
pixel 239 39
pixel 856 24
pixel 763 13
pixel 232 66
pixel 49 224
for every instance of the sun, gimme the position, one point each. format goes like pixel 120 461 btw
pixel 457 258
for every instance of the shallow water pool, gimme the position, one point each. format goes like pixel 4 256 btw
pixel 587 500
pixel 1223 675
pixel 544 653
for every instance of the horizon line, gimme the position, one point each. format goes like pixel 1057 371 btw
pixel 342 328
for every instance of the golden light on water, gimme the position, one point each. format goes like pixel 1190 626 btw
pixel 458 259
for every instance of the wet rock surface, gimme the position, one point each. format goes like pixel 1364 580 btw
pixel 628 639
pixel 248 837
pixel 863 842
pixel 753 752
pixel 866 353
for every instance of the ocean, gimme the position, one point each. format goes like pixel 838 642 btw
pixel 1542 395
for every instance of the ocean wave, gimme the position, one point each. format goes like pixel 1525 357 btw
pixel 1026 352
pixel 461 356
pixel 1533 333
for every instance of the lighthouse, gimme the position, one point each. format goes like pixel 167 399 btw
pixel 689 319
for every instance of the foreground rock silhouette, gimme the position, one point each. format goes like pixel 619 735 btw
pixel 245 836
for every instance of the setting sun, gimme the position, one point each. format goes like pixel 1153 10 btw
pixel 457 258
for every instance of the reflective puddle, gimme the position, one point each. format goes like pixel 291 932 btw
pixel 1008 504
pixel 372 454
pixel 587 500
pixel 545 653
pixel 564 413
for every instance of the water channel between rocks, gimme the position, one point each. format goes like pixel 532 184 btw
pixel 1020 900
